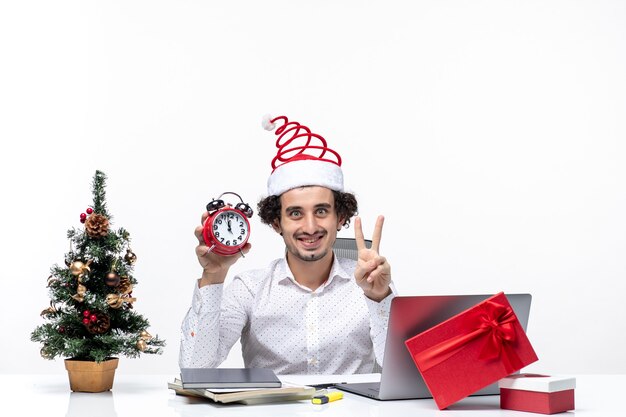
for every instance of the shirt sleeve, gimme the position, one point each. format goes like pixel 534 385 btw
pixel 379 321
pixel 209 330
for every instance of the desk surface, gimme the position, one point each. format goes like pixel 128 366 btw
pixel 148 395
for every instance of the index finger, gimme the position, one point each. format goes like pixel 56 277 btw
pixel 199 230
pixel 378 232
pixel 358 234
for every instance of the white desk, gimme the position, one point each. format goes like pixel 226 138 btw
pixel 148 396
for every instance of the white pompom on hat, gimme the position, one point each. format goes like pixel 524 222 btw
pixel 298 162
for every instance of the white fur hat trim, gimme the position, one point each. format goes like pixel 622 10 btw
pixel 303 172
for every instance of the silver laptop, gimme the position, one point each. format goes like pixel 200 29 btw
pixel 400 379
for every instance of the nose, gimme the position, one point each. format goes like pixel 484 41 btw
pixel 310 224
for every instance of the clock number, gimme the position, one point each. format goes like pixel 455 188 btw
pixel 228 243
pixel 243 231
pixel 217 234
pixel 240 224
pixel 240 238
pixel 218 221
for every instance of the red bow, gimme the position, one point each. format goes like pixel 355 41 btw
pixel 493 322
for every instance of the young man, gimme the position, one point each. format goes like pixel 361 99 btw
pixel 308 312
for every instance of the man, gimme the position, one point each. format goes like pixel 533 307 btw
pixel 308 312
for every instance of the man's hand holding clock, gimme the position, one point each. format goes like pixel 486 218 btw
pixel 223 238
pixel 214 266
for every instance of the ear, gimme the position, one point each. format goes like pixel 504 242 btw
pixel 276 227
pixel 340 223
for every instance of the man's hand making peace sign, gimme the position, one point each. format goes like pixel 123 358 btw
pixel 373 272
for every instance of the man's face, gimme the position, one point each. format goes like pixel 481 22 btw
pixel 308 222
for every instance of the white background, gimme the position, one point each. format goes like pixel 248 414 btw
pixel 489 133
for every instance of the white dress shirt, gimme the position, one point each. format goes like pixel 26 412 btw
pixel 285 326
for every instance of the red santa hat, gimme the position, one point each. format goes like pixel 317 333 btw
pixel 302 159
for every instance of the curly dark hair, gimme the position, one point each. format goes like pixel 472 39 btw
pixel 346 207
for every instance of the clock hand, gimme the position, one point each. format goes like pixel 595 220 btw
pixel 229 229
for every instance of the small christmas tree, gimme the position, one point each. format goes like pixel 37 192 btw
pixel 91 315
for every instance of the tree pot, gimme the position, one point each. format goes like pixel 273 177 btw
pixel 91 376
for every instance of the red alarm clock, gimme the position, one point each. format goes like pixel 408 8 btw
pixel 227 229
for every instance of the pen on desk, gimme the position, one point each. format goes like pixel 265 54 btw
pixel 330 397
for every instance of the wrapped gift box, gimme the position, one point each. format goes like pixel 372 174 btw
pixel 471 350
pixel 537 393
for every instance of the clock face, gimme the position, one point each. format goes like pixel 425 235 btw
pixel 230 228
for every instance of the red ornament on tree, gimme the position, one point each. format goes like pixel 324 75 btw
pixel 89 210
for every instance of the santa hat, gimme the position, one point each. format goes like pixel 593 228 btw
pixel 302 158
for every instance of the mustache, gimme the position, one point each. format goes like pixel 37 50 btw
pixel 319 233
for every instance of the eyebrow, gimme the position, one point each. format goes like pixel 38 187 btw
pixel 317 206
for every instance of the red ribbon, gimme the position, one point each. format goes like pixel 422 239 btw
pixel 492 322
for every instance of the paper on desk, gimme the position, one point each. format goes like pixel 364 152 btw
pixel 223 390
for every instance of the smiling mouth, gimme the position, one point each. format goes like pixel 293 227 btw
pixel 310 240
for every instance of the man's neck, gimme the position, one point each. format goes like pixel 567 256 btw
pixel 311 274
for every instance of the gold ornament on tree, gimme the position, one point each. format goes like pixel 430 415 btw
pixel 130 256
pixel 44 353
pixel 141 345
pixel 48 311
pixel 118 300
pixel 79 268
pixel 144 337
pixel 97 226
pixel 81 290
pixel 112 279
pixel 124 288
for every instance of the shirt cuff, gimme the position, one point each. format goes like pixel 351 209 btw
pixel 380 309
pixel 207 299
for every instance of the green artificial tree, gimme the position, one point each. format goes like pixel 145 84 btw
pixel 91 315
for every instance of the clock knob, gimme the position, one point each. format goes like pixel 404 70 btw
pixel 215 205
pixel 245 209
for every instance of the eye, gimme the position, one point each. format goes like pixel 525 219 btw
pixel 295 214
pixel 321 212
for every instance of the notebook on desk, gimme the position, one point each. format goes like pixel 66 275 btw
pixel 208 378
pixel 410 315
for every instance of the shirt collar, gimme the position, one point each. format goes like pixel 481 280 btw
pixel 283 273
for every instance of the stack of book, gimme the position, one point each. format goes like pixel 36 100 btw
pixel 240 385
